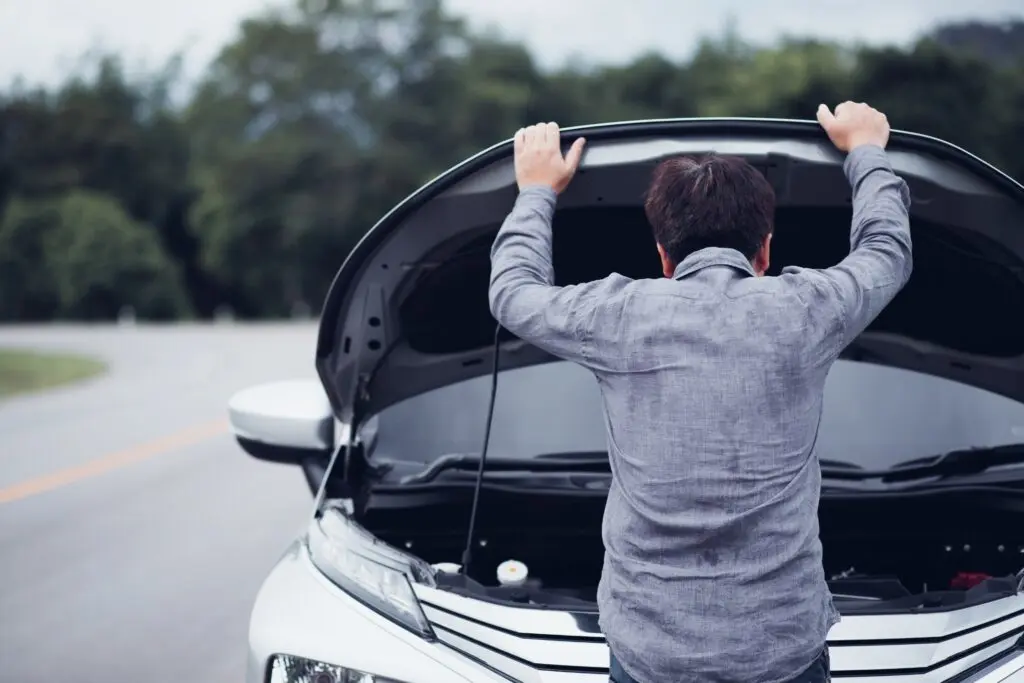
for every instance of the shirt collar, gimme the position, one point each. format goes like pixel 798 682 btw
pixel 712 256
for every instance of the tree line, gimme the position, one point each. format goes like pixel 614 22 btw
pixel 320 116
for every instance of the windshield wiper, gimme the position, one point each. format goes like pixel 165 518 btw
pixel 582 461
pixel 958 463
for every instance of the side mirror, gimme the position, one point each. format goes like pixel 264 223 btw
pixel 286 422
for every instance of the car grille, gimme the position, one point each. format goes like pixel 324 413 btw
pixel 547 646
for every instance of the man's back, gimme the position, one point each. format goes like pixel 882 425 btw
pixel 710 531
pixel 712 381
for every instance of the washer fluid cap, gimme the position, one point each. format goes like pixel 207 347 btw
pixel 512 573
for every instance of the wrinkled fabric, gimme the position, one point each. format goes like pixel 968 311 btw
pixel 712 385
pixel 818 672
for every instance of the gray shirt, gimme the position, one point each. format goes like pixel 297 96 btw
pixel 712 385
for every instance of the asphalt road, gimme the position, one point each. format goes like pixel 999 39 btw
pixel 134 533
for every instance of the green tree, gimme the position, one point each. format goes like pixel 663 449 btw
pixel 937 92
pixel 27 288
pixel 306 129
pixel 103 133
pixel 81 257
pixel 271 221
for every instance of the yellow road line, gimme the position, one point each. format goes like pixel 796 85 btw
pixel 113 461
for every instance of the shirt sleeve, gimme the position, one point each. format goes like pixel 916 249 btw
pixel 851 294
pixel 523 298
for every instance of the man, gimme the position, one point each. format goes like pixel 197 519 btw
pixel 712 381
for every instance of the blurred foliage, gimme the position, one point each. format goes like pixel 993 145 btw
pixel 320 116
pixel 79 256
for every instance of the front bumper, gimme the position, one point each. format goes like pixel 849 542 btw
pixel 300 612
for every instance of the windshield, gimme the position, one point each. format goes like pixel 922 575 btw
pixel 874 416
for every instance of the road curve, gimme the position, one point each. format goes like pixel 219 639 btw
pixel 134 533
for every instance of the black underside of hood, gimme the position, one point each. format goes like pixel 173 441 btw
pixel 408 310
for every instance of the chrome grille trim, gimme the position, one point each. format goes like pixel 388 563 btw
pixel 517 670
pixel 521 621
pixel 539 653
pixel 912 647
pixel 860 629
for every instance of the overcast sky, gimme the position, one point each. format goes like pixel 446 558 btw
pixel 40 39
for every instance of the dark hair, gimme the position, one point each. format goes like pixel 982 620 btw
pixel 709 201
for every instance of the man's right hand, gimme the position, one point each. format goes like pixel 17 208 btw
pixel 854 124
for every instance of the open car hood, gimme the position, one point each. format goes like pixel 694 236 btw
pixel 408 311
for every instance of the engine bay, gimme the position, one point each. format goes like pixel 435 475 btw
pixel 881 554
pixel 853 593
pixel 989 575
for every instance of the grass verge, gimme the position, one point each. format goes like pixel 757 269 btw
pixel 23 371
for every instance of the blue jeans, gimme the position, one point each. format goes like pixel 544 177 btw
pixel 818 672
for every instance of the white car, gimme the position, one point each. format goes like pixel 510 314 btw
pixel 921 445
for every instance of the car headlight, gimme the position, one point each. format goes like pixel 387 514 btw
pixel 370 570
pixel 288 669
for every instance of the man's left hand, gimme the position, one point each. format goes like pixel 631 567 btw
pixel 539 160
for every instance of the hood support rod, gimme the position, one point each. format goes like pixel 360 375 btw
pixel 468 552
